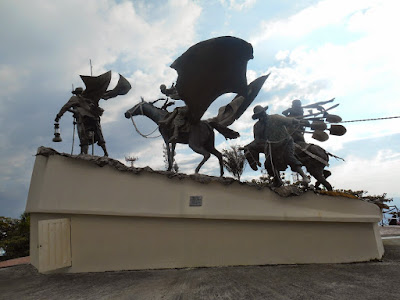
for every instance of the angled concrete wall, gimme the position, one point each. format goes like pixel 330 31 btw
pixel 121 220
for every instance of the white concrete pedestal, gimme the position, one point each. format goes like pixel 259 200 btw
pixel 125 221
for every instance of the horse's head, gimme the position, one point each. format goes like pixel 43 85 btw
pixel 136 110
pixel 147 109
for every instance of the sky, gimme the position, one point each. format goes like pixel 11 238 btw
pixel 315 50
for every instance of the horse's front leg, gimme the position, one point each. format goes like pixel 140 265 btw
pixel 172 158
pixel 221 161
pixel 169 158
pixel 170 155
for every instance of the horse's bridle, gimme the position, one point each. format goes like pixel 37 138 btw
pixel 147 136
pixel 141 109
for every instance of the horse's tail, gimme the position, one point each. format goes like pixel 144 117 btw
pixel 225 131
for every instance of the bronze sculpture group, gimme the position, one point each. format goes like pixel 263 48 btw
pixel 281 140
pixel 84 105
pixel 206 71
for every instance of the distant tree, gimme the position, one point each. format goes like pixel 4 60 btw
pixel 175 167
pixel 379 200
pixel 14 237
pixel 234 161
pixel 131 159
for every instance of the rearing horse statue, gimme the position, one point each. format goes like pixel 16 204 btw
pixel 200 137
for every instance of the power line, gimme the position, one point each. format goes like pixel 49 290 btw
pixel 375 119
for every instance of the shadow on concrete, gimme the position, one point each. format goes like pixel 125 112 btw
pixel 371 280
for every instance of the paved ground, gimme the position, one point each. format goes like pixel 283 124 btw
pixel 389 230
pixel 373 280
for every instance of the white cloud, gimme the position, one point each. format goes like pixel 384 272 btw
pixel 10 78
pixel 47 44
pixel 282 55
pixel 151 155
pixel 104 31
pixel 322 14
pixel 112 34
pixel 238 4
pixel 362 72
pixel 360 131
pixel 251 75
pixel 377 175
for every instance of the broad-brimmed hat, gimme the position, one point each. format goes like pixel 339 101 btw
pixel 78 91
pixel 258 110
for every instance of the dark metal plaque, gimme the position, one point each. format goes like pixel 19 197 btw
pixel 196 201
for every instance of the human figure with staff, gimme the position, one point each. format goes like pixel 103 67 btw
pixel 84 104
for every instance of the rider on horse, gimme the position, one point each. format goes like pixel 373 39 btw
pixel 296 111
pixel 177 120
pixel 272 138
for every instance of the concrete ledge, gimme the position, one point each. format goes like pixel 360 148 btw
pixel 144 220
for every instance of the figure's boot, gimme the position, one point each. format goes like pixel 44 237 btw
pixel 305 180
pixel 103 146
pixel 277 181
pixel 84 149
pixel 175 136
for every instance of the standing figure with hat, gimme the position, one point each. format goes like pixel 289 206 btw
pixel 296 111
pixel 87 115
pixel 272 138
pixel 84 104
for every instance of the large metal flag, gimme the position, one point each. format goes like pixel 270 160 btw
pixel 96 87
pixel 209 69
pixel 227 114
pixel 122 88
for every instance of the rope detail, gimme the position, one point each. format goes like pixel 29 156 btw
pixel 312 155
pixel 147 136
